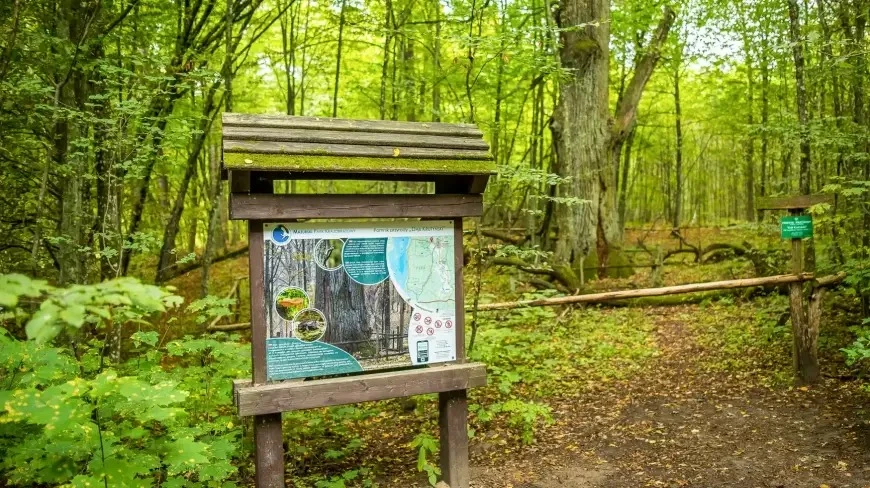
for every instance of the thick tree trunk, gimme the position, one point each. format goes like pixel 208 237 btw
pixel 343 302
pixel 580 131
pixel 585 138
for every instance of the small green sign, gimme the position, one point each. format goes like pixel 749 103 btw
pixel 796 226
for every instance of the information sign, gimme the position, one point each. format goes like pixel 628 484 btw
pixel 796 226
pixel 346 297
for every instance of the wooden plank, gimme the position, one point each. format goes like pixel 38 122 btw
pixel 459 264
pixel 649 292
pixel 346 137
pixel 326 123
pixel 286 207
pixel 452 420
pixel 258 300
pixel 796 202
pixel 286 396
pixel 321 149
pixel 240 181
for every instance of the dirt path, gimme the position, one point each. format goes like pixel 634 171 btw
pixel 676 424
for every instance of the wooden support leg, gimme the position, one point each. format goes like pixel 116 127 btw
pixel 805 353
pixel 453 410
pixel 269 457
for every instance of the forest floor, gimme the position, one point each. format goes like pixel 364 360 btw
pixel 682 420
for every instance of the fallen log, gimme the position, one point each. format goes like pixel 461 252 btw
pixel 229 327
pixel 649 292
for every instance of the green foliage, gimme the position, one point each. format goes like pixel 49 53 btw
pixel 525 349
pixel 521 415
pixel 136 423
pixel 858 353
pixel 426 446
pixel 117 301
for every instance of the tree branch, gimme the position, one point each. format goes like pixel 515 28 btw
pixel 626 110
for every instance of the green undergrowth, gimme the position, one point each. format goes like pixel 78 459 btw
pixel 745 337
pixel 752 338
pixel 541 352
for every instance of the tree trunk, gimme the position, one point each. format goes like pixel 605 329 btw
pixel 172 226
pixel 341 21
pixel 626 171
pixel 801 94
pixel 385 62
pixel 580 131
pixel 749 151
pixel 585 139
pixel 343 302
pixel 765 114
pixel 678 132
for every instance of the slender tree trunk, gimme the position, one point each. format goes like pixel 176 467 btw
pixel 801 94
pixel 626 171
pixel 678 132
pixel 765 114
pixel 749 152
pixel 436 66
pixel 341 21
pixel 385 63
pixel 172 226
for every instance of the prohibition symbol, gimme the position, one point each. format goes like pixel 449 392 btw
pixel 430 331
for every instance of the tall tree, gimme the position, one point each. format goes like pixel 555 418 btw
pixel 586 137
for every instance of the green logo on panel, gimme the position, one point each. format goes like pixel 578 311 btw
pixel 796 226
pixel 365 260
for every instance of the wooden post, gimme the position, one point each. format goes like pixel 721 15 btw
pixel 268 439
pixel 453 405
pixel 805 354
pixel 804 321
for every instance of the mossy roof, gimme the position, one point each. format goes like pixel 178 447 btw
pixel 322 145
pixel 354 164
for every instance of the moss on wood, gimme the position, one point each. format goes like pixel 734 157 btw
pixel 344 164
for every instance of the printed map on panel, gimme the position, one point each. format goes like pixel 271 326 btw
pixel 422 270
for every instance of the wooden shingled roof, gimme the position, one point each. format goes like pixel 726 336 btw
pixel 326 145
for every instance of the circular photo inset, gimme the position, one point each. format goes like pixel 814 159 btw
pixel 290 301
pixel 309 325
pixel 327 253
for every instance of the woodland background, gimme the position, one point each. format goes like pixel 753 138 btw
pixel 624 132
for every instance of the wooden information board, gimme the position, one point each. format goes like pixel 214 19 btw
pixel 360 309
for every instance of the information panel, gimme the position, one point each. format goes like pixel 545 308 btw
pixel 796 226
pixel 346 297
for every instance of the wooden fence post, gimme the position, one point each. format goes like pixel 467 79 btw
pixel 805 353
pixel 453 405
pixel 268 438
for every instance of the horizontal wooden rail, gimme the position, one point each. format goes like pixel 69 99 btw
pixel 286 207
pixel 649 292
pixel 300 395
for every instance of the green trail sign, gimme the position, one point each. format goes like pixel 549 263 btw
pixel 796 226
